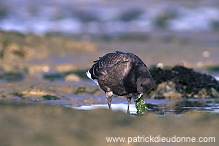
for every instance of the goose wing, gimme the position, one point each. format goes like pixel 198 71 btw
pixel 108 62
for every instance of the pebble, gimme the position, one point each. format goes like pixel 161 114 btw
pixel 72 78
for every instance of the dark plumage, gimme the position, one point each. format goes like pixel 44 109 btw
pixel 121 74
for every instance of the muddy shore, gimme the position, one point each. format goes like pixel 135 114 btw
pixel 60 61
pixel 40 76
pixel 51 69
pixel 31 124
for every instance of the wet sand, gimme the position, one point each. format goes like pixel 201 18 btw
pixel 31 124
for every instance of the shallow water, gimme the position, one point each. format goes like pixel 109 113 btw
pixel 161 107
pixel 85 101
pixel 55 125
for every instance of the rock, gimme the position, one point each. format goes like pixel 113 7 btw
pixel 183 82
pixel 72 78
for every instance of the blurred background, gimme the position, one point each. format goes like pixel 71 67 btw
pixel 171 32
pixel 111 18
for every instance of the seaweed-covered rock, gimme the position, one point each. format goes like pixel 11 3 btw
pixel 180 81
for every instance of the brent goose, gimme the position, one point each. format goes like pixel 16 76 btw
pixel 122 74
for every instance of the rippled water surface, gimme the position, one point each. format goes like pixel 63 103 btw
pixel 162 107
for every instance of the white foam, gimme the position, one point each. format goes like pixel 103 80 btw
pixel 115 107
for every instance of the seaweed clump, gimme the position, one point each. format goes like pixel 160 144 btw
pixel 183 82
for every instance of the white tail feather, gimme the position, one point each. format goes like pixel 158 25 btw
pixel 89 76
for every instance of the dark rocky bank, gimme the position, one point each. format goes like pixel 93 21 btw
pixel 179 81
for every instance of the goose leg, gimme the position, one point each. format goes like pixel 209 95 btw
pixel 109 98
pixel 129 102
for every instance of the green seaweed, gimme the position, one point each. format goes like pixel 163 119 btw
pixel 81 90
pixel 182 82
pixel 51 97
pixel 62 75
pixel 19 94
pixel 53 76
pixel 141 106
pixel 81 73
pixel 12 76
pixel 213 68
